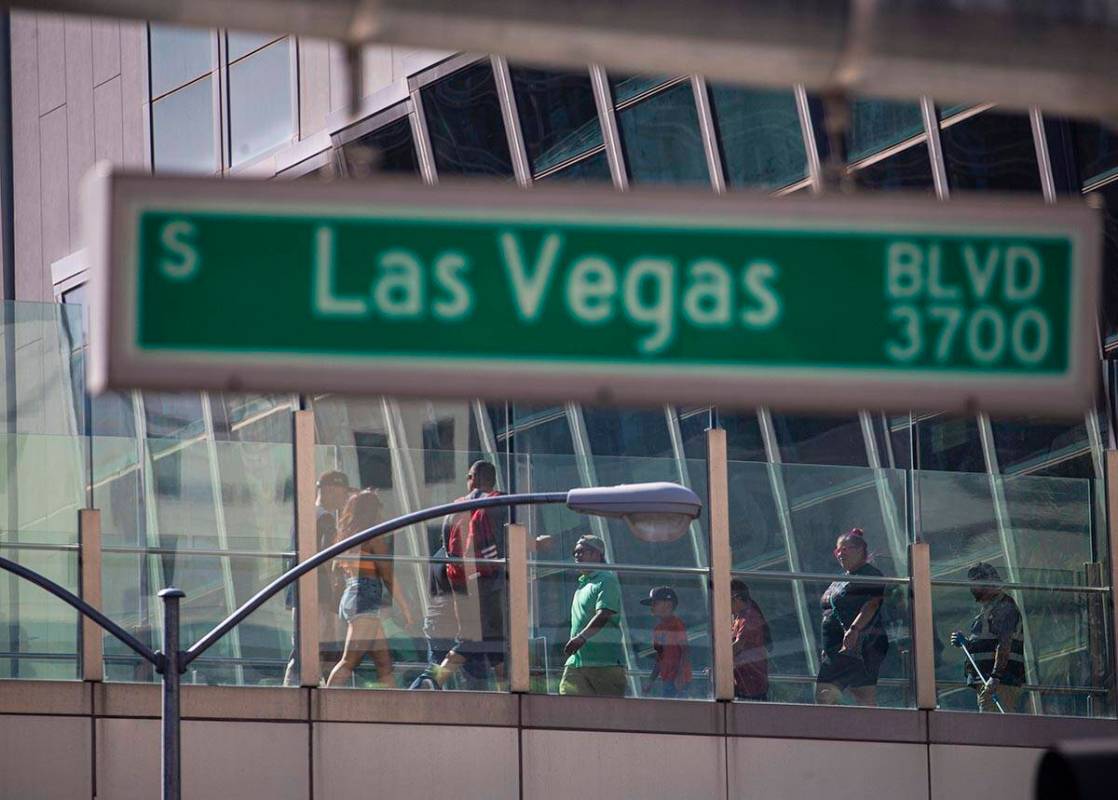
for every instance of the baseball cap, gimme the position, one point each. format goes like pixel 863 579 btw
pixel 660 593
pixel 333 478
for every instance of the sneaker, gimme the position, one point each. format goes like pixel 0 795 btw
pixel 425 683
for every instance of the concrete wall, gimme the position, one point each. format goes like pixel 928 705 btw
pixel 78 740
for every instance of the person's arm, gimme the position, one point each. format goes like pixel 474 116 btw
pixel 861 622
pixel 387 572
pixel 597 622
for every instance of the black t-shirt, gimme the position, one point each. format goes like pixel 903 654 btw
pixel 842 603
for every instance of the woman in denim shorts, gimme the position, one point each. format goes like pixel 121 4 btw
pixel 365 583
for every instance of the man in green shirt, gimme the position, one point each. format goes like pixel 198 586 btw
pixel 595 660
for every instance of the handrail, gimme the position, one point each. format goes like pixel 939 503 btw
pixel 293 574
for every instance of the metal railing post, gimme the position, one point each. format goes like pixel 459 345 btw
pixel 307 633
pixel 923 631
pixel 89 536
pixel 718 506
pixel 517 566
pixel 172 684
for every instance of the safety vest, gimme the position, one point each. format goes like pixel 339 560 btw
pixel 983 642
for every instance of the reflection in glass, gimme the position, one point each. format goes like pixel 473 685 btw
pixel 677 638
pixel 558 116
pixel 762 142
pixel 1066 656
pixel 261 113
pixel 240 43
pixel 1043 447
pixel 878 124
pixel 183 130
pixel 992 151
pixel 1109 305
pixel 794 611
pixel 465 124
pixel 178 56
pixel 909 169
pixel 392 151
pixel 592 169
pixel 661 138
pixel 627 87
pixel 42 486
pixel 38 633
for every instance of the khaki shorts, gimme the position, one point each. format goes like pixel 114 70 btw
pixel 602 681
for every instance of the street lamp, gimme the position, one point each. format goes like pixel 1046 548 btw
pixel 648 508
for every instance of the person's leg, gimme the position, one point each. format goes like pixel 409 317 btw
pixel 381 654
pixel 290 677
pixel 357 643
pixel 864 695
pixel 609 681
pixel 574 682
pixel 827 694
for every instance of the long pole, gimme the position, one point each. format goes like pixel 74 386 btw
pixel 172 684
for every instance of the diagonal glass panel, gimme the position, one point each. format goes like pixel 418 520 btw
pixel 760 135
pixel 558 116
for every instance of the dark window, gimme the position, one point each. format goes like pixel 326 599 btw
pixel 878 124
pixel 389 149
pixel 820 440
pixel 661 138
pixel 591 169
pixel 629 432
pixel 909 169
pixel 626 87
pixel 743 436
pixel 760 134
pixel 949 444
pixel 374 462
pixel 558 116
pixel 464 121
pixel 1109 194
pixel 438 450
pixel 991 152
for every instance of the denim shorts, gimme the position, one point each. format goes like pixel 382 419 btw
pixel 361 598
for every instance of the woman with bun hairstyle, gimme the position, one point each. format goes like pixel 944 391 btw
pixel 366 581
pixel 854 639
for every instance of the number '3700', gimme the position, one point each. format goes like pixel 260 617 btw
pixel 949 320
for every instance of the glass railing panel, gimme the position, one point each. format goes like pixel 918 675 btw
pixel 38 633
pixel 787 517
pixel 42 486
pixel 1058 643
pixel 660 650
pixel 1032 529
pixel 555 473
pixel 254 653
pixel 802 660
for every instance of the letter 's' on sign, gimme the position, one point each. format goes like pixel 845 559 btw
pixel 588 295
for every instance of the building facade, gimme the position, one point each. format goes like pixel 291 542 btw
pixel 199 490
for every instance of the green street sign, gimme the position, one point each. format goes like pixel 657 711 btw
pixel 478 290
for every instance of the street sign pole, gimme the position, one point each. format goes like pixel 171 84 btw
pixel 584 294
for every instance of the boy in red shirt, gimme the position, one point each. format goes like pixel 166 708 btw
pixel 752 641
pixel 669 640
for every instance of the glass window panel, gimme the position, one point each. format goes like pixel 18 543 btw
pixel 558 117
pixel 661 138
pixel 878 124
pixel 540 429
pixel 393 150
pixel 1066 658
pixel 627 647
pixel 240 43
pixel 793 611
pixel 591 169
pixel 948 444
pixel 629 86
pixel 992 151
pixel 909 169
pixel 627 432
pixel 1096 150
pixel 251 417
pixel 465 124
pixel 183 485
pixel 178 56
pixel 743 435
pixel 261 114
pixel 820 440
pixel 1039 447
pixel 118 490
pixel 1109 194
pixel 762 141
pixel 38 632
pixel 183 130
pixel 173 415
